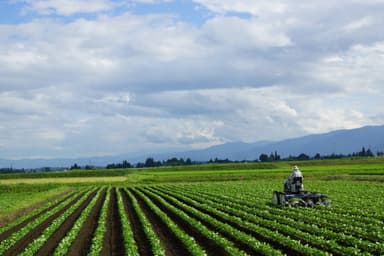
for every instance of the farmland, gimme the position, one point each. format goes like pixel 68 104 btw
pixel 224 211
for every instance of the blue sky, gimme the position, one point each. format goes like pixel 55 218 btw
pixel 14 12
pixel 104 77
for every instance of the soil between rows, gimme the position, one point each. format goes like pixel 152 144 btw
pixel 82 243
pixel 173 246
pixel 141 239
pixel 113 243
pixel 247 230
pixel 210 247
pixel 19 226
pixel 52 242
pixel 286 249
pixel 21 244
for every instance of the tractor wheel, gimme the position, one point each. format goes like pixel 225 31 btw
pixel 295 202
pixel 276 198
pixel 303 203
pixel 310 204
pixel 327 202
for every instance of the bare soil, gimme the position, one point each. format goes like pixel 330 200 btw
pixel 82 243
pixel 210 246
pixel 50 245
pixel 21 244
pixel 241 245
pixel 113 243
pixel 141 239
pixel 173 246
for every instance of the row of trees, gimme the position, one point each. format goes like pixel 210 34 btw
pixel 272 157
pixel 275 157
pixel 150 162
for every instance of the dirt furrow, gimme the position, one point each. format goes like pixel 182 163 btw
pixel 82 243
pixel 141 239
pixel 113 243
pixel 207 244
pixel 173 246
pixel 21 244
pixel 50 245
pixel 247 230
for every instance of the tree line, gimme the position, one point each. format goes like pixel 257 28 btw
pixel 272 157
pixel 151 162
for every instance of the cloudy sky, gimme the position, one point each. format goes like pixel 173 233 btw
pixel 103 77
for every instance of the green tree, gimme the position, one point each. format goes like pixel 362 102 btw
pixel 263 158
pixel 369 153
pixel 303 156
pixel 75 167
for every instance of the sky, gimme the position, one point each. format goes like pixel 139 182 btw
pixel 83 78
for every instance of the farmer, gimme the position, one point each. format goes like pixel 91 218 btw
pixel 294 183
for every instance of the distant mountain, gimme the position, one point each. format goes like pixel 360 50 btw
pixel 338 142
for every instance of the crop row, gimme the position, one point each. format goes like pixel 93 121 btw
pixel 9 242
pixel 332 218
pixel 344 239
pixel 308 223
pixel 194 219
pixel 312 235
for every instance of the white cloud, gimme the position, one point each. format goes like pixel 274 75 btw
pixel 318 118
pixel 15 104
pixel 195 132
pixel 21 59
pixel 153 82
pixel 245 34
pixel 359 24
pixel 359 68
pixel 51 134
pixel 247 6
pixel 114 51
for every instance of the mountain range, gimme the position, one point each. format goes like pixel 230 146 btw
pixel 338 142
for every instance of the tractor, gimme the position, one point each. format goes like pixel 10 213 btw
pixel 294 194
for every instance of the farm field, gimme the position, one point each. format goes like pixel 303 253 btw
pixel 232 216
pixel 17 199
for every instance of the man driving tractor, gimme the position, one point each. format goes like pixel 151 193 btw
pixel 294 194
pixel 294 183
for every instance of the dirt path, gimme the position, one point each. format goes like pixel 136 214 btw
pixel 113 243
pixel 82 243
